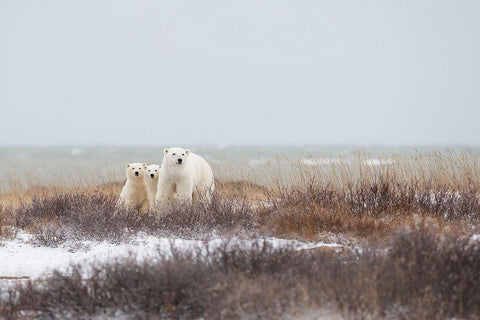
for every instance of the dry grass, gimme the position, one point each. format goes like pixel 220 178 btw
pixel 368 210
pixel 287 198
pixel 246 190
pixel 422 275
pixel 82 216
pixel 414 217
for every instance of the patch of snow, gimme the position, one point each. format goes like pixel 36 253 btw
pixel 323 161
pixel 21 258
pixel 378 162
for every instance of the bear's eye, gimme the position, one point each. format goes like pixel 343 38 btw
pixel 183 154
pixel 173 154
pixel 155 170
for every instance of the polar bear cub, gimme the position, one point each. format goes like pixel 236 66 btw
pixel 134 193
pixel 151 181
pixel 184 176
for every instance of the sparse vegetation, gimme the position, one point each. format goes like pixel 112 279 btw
pixel 421 276
pixel 414 218
pixel 355 200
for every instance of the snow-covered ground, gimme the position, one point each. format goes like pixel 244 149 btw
pixel 21 258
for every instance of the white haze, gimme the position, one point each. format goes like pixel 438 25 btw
pixel 239 72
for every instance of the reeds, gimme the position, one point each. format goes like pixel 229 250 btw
pixel 413 216
pixel 349 198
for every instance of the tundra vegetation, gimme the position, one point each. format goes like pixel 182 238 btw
pixel 409 225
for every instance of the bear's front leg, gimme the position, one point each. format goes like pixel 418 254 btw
pixel 184 191
pixel 145 206
pixel 164 192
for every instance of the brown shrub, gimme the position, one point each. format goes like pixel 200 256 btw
pixel 421 275
pixel 366 211
pixel 369 210
pixel 242 189
pixel 283 197
pixel 55 219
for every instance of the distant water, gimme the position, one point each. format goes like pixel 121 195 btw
pixel 111 159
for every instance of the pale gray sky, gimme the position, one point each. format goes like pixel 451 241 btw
pixel 239 72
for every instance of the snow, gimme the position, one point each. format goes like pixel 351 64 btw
pixel 373 162
pixel 21 258
pixel 378 162
pixel 323 161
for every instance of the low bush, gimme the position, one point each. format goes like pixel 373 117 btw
pixel 421 275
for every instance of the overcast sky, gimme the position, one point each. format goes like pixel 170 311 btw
pixel 239 72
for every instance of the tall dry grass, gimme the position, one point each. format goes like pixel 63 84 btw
pixel 413 215
pixel 308 198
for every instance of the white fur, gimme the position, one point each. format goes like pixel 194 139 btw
pixel 134 193
pixel 185 181
pixel 151 181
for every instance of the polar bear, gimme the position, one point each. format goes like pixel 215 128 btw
pixel 184 176
pixel 151 181
pixel 134 193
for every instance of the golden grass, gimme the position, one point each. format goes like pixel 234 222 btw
pixel 423 170
pixel 311 197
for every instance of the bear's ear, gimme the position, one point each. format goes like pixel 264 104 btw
pixel 144 165
pixel 187 152
pixel 165 150
pixel 128 165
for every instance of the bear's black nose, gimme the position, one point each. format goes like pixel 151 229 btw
pixel 152 175
pixel 180 160
pixel 136 173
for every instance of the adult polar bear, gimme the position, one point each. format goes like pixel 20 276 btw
pixel 184 176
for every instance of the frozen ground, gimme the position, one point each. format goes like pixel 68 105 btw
pixel 20 258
